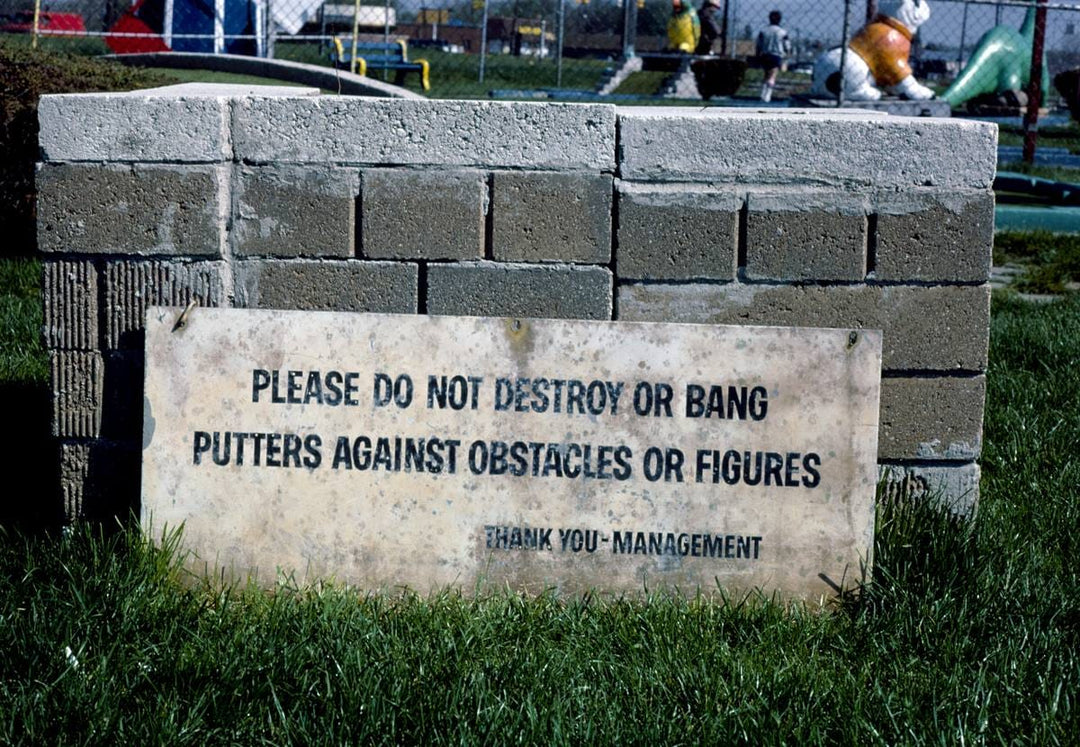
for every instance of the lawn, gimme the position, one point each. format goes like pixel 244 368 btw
pixel 969 633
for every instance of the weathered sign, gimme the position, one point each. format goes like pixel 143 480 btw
pixel 388 450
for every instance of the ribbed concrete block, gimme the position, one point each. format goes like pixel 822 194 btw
pixel 354 130
pixel 676 232
pixel 135 126
pixel 99 480
pixel 70 293
pixel 541 291
pixel 551 217
pixel 952 487
pixel 786 147
pixel 806 235
pixel 387 287
pixel 423 214
pixel 942 328
pixel 131 287
pixel 931 418
pixel 295 211
pixel 134 210
pixel 935 236
pixel 77 390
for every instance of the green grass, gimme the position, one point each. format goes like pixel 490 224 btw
pixel 1067 136
pixel 969 633
pixel 1051 261
pixel 22 356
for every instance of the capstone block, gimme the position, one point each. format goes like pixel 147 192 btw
pixel 806 235
pixel 785 147
pixel 134 210
pixel 931 418
pixel 132 287
pixel 676 232
pixel 387 287
pixel 539 291
pixel 551 217
pixel 422 214
pixel 295 212
pixel 77 390
pixel 937 328
pixel 938 236
pixel 134 127
pixel 70 293
pixel 355 130
pixel 954 488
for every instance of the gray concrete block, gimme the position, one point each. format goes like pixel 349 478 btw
pixel 806 235
pixel 131 287
pixel 70 295
pixel 422 214
pixel 134 210
pixel 388 287
pixel 134 127
pixel 551 217
pixel 935 236
pixel 99 480
pixel 295 211
pixel 77 393
pixel 931 418
pixel 941 328
pixel 541 291
pixel 786 147
pixel 122 395
pixel 954 488
pixel 676 232
pixel 354 130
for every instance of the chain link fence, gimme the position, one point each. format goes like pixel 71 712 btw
pixel 563 49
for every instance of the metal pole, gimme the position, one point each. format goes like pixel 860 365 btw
pixel 724 31
pixel 963 36
pixel 871 10
pixel 1031 117
pixel 271 30
pixel 629 28
pixel 562 28
pixel 843 54
pixel 483 42
pixel 386 34
pixel 37 23
pixel 355 33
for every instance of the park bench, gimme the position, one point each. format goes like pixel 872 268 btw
pixel 379 56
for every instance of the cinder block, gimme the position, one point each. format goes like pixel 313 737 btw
pixel 134 210
pixel 136 126
pixel 70 293
pixel 952 487
pixel 131 287
pixel 99 480
pixel 935 236
pixel 388 287
pixel 122 409
pixel 295 212
pixel 551 217
pixel 806 235
pixel 676 232
pixel 939 328
pixel 77 391
pixel 422 214
pixel 787 147
pixel 931 418
pixel 543 291
pixel 355 130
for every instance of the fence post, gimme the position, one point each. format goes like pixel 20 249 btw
pixel 1031 117
pixel 483 42
pixel 562 28
pixel 629 28
pixel 843 54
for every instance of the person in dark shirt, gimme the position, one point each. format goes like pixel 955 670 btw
pixel 712 26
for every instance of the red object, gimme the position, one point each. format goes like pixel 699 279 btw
pixel 50 23
pixel 149 39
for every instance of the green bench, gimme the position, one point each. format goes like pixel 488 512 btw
pixel 379 56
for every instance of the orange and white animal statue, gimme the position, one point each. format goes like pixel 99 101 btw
pixel 877 57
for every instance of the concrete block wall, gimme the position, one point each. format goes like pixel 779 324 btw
pixel 226 197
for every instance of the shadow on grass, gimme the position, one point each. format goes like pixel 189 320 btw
pixel 33 502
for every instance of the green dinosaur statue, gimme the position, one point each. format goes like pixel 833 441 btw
pixel 1001 62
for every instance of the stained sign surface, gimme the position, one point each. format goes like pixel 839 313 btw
pixel 393 450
